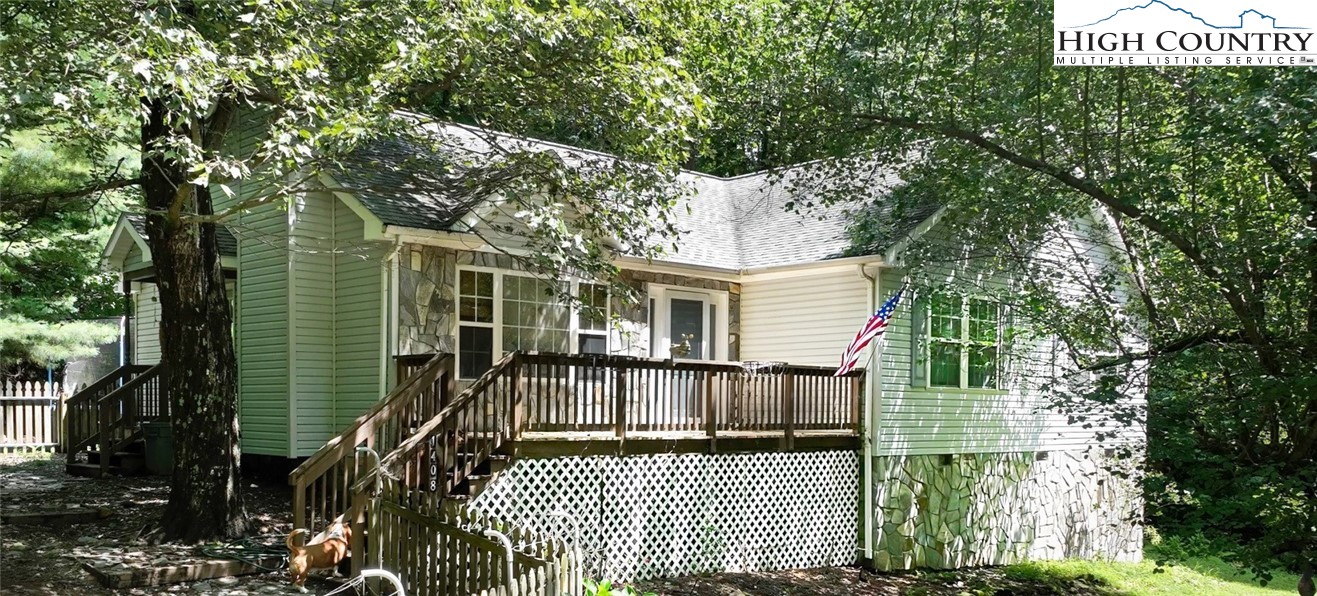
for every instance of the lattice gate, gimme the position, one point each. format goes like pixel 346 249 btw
pixel 640 517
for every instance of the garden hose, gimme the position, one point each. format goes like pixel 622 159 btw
pixel 249 551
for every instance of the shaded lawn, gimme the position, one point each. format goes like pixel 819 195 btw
pixel 1198 576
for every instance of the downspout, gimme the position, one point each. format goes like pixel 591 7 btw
pixel 389 316
pixel 126 323
pixel 867 436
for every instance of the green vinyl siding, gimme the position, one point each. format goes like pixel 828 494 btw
pixel 134 258
pixel 358 321
pixel 918 417
pixel 311 304
pixel 263 331
pixel 260 302
pixel 146 324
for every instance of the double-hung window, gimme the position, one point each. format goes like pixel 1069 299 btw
pixel 964 342
pixel 502 311
pixel 592 328
pixel 476 326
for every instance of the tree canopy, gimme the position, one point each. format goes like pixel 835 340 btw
pixel 50 273
pixel 1199 184
pixel 171 78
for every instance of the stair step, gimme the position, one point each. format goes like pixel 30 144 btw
pixel 498 463
pixel 476 483
pixel 129 463
pixel 135 459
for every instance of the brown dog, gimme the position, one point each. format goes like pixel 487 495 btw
pixel 325 554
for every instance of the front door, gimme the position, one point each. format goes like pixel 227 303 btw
pixel 689 335
pixel 688 326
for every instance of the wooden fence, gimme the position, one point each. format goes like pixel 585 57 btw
pixel 445 549
pixel 30 415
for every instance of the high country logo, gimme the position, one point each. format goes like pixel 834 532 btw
pixel 1185 32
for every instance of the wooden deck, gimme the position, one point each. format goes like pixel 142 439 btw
pixel 567 443
pixel 440 441
pixel 597 405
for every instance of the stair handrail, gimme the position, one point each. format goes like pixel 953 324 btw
pixel 347 441
pixel 96 389
pixel 412 444
pixel 106 405
pixel 81 430
pixel 365 428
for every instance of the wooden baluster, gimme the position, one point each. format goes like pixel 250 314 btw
pixel 710 413
pixel 518 398
pixel 857 418
pixel 358 522
pixel 789 409
pixel 619 404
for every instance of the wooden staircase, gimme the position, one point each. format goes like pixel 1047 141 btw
pixel 103 422
pixel 322 484
pixel 457 452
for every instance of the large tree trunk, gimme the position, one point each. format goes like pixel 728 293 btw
pixel 205 499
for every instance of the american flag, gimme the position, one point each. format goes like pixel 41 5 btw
pixel 872 329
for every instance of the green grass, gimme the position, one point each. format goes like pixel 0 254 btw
pixel 1200 576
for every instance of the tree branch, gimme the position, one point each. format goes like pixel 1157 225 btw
pixel 1237 297
pixel 67 195
pixel 1174 347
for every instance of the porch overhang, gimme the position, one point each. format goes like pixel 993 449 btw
pixel 129 234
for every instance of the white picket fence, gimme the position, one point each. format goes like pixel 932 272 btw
pixel 30 415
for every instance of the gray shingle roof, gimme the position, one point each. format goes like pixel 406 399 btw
pixel 728 223
pixel 228 244
pixel 394 180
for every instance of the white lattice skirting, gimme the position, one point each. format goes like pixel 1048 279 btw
pixel 678 514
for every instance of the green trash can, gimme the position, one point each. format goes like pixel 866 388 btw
pixel 159 448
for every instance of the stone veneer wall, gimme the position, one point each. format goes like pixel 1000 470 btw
pixel 1000 508
pixel 427 277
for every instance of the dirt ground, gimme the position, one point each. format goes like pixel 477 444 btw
pixel 835 581
pixel 47 560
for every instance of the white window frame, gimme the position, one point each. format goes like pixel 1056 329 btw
pixel 573 321
pixel 661 294
pixel 576 331
pixel 964 343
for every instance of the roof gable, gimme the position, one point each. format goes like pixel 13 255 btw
pixel 130 232
pixel 746 222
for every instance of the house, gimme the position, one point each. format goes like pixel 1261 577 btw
pixel 669 455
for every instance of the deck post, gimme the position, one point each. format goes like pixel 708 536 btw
pixel 710 412
pixel 857 417
pixel 103 434
pixel 619 406
pixel 789 409
pixel 299 505
pixel 358 523
pixel 518 407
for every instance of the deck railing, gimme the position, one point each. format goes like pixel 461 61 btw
pixel 321 484
pixel 629 395
pixel 403 511
pixel 447 448
pixel 82 415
